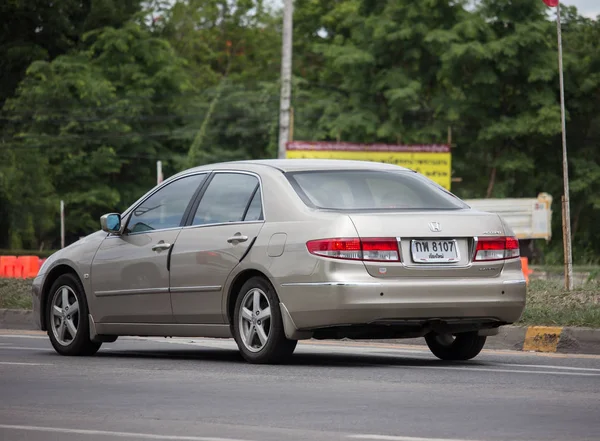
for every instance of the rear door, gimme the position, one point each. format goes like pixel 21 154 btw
pixel 222 227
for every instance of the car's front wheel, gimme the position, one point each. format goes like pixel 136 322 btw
pixel 258 326
pixel 67 318
pixel 463 346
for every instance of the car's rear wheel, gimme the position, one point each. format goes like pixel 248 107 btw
pixel 257 324
pixel 463 346
pixel 67 318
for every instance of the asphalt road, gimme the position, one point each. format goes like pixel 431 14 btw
pixel 201 390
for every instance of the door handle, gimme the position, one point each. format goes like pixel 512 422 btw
pixel 161 246
pixel 237 239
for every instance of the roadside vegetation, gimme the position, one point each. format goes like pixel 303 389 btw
pixel 547 302
pixel 15 293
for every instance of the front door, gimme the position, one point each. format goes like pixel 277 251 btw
pixel 228 218
pixel 130 277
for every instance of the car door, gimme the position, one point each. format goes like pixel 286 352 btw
pixel 228 217
pixel 130 277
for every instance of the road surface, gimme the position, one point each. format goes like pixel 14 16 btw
pixel 201 390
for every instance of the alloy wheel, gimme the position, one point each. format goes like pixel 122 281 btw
pixel 255 320
pixel 65 315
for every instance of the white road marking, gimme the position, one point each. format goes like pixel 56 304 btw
pixel 23 348
pixel 15 363
pixel 400 438
pixel 23 336
pixel 544 366
pixel 114 434
pixel 514 371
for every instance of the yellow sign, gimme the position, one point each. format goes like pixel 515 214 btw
pixel 433 161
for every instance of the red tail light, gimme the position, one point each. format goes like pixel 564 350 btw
pixel 377 249
pixel 496 248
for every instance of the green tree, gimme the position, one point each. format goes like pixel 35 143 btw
pixel 377 69
pixel 32 30
pixel 233 50
pixel 100 119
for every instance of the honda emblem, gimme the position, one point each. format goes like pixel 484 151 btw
pixel 435 227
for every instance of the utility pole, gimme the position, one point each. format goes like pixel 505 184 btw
pixel 567 210
pixel 286 77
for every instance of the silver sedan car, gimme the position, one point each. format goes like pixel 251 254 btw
pixel 275 251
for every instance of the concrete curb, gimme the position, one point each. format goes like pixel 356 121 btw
pixel 565 340
pixel 16 319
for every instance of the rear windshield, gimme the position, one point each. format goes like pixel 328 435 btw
pixel 372 190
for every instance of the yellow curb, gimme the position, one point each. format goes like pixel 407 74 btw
pixel 542 338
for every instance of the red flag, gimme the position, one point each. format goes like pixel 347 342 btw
pixel 551 3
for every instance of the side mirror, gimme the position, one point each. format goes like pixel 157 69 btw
pixel 111 223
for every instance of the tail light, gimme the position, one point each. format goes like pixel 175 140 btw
pixel 496 248
pixel 375 249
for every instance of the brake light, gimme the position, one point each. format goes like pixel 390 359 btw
pixel 496 248
pixel 376 249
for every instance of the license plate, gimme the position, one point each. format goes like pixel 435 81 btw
pixel 434 251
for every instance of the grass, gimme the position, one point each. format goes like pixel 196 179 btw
pixel 547 302
pixel 15 293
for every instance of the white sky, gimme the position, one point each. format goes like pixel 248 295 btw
pixel 589 8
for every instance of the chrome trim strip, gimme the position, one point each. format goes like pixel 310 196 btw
pixel 474 252
pixel 189 227
pixel 125 292
pixel 222 223
pixel 207 288
pixel 333 284
pixel 514 282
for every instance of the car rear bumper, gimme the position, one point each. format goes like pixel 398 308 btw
pixel 314 305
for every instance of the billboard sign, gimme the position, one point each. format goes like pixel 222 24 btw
pixel 431 160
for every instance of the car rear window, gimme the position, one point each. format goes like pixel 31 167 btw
pixel 353 190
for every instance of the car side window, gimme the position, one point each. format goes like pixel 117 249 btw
pixel 165 208
pixel 254 212
pixel 227 199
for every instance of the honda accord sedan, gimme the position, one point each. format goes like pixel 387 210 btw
pixel 275 251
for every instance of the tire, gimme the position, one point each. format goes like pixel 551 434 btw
pixel 253 345
pixel 463 346
pixel 58 318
